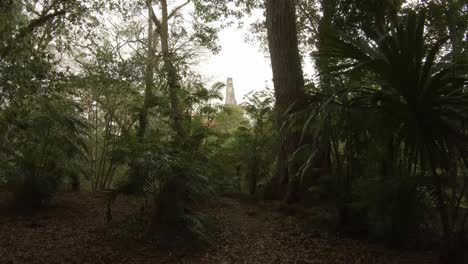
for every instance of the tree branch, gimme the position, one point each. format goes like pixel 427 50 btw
pixel 177 9
pixel 35 23
pixel 312 21
pixel 153 16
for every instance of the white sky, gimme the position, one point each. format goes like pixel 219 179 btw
pixel 245 63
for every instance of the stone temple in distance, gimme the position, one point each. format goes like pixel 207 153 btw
pixel 230 95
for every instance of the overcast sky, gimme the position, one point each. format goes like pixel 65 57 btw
pixel 244 62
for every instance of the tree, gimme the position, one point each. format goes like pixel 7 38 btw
pixel 42 122
pixel 108 90
pixel 419 107
pixel 447 18
pixel 42 132
pixel 289 87
pixel 258 107
pixel 229 119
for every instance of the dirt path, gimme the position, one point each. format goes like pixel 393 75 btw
pixel 268 237
pixel 75 231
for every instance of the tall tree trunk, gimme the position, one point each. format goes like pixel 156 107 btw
pixel 256 160
pixel 288 82
pixel 324 28
pixel 96 143
pixel 170 204
pixel 322 162
pixel 136 168
pixel 149 81
pixel 171 75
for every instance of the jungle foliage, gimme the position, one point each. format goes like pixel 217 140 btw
pixel 105 96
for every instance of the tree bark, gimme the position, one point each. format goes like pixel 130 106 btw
pixel 136 169
pixel 149 80
pixel 289 86
pixel 324 28
pixel 170 203
pixel 171 74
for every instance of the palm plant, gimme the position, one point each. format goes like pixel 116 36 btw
pixel 41 145
pixel 174 173
pixel 259 106
pixel 416 107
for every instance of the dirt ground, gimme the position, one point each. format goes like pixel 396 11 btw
pixel 75 230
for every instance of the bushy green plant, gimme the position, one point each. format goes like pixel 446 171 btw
pixel 395 206
pixel 174 175
pixel 40 143
pixel 400 108
pixel 41 135
pixel 179 219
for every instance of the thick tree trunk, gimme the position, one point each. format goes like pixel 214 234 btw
pixel 289 85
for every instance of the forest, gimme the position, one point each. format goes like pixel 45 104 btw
pixel 114 148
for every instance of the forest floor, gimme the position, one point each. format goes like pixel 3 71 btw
pixel 74 230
